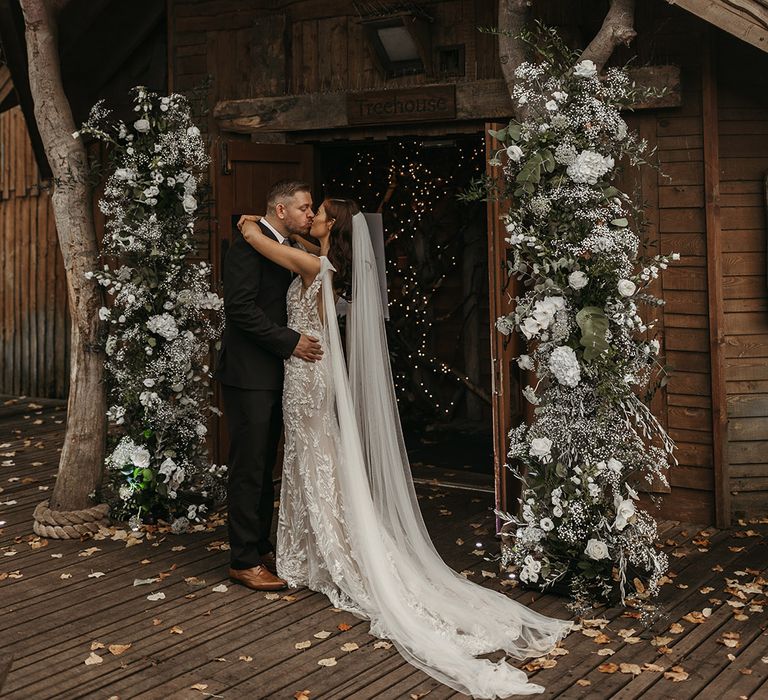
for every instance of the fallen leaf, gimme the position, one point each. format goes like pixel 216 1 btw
pixel 676 628
pixel 272 596
pixel 96 645
pixel 118 649
pixel 156 596
pixel 349 646
pixel 605 652
pixel 488 574
pixel 144 581
pixel 343 627
pixel 608 667
pixel 652 667
pixel 93 659
pixel 660 641
pixel 322 634
pixel 633 669
pixel 302 695
pixel 676 674
pixel 696 617
pixel 157 621
pixel 176 630
pixel 289 598
pixel 381 645
pixel 302 645
pixel 245 657
pixel 558 651
pixel 88 552
pixel 221 588
pixel 192 581
pixel 65 576
pixel 327 662
pixel 199 686
pixel 583 682
pixel 96 574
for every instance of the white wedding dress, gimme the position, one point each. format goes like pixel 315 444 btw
pixel 349 523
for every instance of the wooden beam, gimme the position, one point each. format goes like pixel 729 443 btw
pixel 715 287
pixel 6 83
pixel 475 100
pixel 745 19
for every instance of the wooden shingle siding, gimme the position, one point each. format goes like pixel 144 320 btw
pixel 743 130
pixel 34 319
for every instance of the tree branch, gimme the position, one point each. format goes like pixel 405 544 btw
pixel 618 28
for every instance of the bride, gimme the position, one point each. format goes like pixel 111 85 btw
pixel 349 524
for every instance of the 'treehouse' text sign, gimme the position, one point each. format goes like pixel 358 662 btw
pixel 433 103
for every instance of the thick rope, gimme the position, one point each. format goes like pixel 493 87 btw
pixel 70 524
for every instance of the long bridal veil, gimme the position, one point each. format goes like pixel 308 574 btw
pixel 438 620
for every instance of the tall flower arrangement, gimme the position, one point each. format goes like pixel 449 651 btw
pixel 163 316
pixel 575 247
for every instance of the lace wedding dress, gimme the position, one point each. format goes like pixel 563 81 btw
pixel 349 523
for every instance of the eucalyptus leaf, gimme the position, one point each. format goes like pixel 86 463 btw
pixel 621 223
pixel 594 326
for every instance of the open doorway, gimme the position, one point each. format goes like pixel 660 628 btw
pixel 437 273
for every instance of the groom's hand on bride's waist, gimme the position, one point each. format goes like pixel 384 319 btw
pixel 308 349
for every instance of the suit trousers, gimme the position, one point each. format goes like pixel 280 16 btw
pixel 254 421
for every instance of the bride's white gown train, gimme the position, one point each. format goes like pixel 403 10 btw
pixel 349 524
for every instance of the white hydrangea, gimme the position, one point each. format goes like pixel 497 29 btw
pixel 163 325
pixel 564 365
pixel 589 167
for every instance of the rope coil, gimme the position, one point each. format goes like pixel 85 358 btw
pixel 69 524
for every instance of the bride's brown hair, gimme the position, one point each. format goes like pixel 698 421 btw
pixel 340 250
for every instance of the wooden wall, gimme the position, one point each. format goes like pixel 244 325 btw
pixel 34 320
pixel 743 130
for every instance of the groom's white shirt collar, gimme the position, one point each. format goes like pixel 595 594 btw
pixel 280 237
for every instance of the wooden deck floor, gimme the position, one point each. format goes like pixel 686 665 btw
pixel 61 602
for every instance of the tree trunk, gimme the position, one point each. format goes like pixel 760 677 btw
pixel 513 17
pixel 82 457
pixel 617 28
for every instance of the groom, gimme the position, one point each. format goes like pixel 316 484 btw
pixel 250 370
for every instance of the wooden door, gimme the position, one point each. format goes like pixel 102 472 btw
pixel 245 172
pixel 506 395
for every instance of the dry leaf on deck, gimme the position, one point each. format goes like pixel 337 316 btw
pixel 676 674
pixel 302 645
pixel 676 628
pixel 583 682
pixel 272 596
pixel 634 669
pixel 322 634
pixel 381 645
pixel 343 627
pixel 221 588
pixel 117 649
pixel 176 630
pixel 245 657
pixel 96 645
pixel 605 652
pixel 652 667
pixel 696 617
pixel 93 659
pixel 199 686
pixel 327 662
pixel 156 596
pixel 608 667
pixel 302 695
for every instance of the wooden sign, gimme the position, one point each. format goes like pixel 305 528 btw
pixel 433 103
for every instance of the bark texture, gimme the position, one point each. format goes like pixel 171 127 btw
pixel 618 28
pixel 513 18
pixel 82 457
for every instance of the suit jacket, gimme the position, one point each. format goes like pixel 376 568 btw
pixel 255 340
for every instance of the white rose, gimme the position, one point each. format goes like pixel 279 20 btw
pixel 557 511
pixel 189 203
pixel 655 346
pixel 530 327
pixel 193 131
pixel 596 549
pixel 614 465
pixel 675 256
pixel 141 125
pixel 627 288
pixel 546 524
pixel 625 510
pixel 525 362
pixel 104 313
pixel 532 564
pixel 140 458
pixel 577 280
pixel 585 69
pixel 560 96
pixel 551 106
pixel 514 153
pixel 541 447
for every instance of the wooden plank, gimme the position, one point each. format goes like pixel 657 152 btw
pixel 744 241
pixel 747 452
pixel 754 323
pixel 750 287
pixel 685 301
pixel 671 196
pixel 746 346
pixel 748 428
pixel 745 20
pixel 715 270
pixel 743 264
pixel 685 278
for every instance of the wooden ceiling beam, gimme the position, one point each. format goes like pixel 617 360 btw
pixel 745 19
pixel 481 99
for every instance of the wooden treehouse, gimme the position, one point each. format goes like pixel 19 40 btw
pixel 305 88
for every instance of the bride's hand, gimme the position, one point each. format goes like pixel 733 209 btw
pixel 247 217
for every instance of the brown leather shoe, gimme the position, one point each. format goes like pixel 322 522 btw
pixel 268 560
pixel 259 578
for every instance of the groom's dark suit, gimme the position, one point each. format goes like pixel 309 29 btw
pixel 250 369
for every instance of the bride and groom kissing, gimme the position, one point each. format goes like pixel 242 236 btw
pixel 349 524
